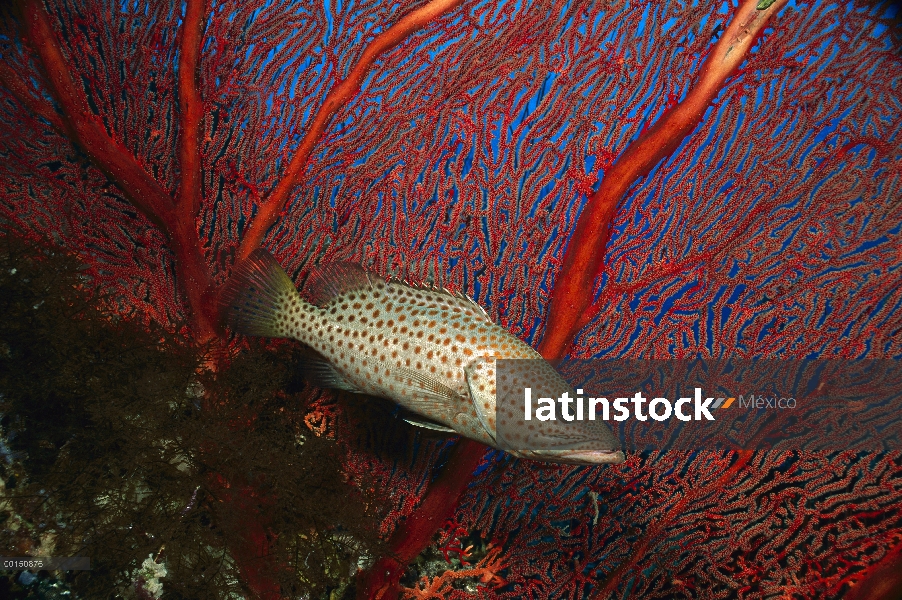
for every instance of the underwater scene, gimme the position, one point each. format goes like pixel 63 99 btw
pixel 450 299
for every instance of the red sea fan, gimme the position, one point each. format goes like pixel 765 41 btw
pixel 646 180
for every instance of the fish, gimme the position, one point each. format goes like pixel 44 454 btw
pixel 432 351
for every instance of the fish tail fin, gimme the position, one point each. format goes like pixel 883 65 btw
pixel 258 297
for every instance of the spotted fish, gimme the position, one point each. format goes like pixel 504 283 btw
pixel 431 351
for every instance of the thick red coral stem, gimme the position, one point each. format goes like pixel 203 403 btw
pixel 191 109
pixel 252 548
pixel 584 259
pixel 108 154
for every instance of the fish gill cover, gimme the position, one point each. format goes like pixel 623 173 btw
pixel 643 180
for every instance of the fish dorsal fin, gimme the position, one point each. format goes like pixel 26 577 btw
pixel 331 280
pixel 466 302
pixel 455 301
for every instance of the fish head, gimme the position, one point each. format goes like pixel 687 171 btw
pixel 562 433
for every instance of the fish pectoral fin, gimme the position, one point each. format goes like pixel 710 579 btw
pixel 322 374
pixel 418 384
pixel 427 424
pixel 423 394
pixel 480 376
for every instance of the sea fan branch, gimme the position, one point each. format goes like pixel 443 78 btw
pixel 108 154
pixel 11 81
pixel 191 108
pixel 570 297
pixel 584 258
pixel 120 165
pixel 343 91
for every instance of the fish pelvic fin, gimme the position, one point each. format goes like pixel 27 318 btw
pixel 258 296
pixel 427 424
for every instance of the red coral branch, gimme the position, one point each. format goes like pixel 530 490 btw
pixel 119 164
pixel 339 95
pixel 441 587
pixel 584 259
pixel 108 154
pixel 191 109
